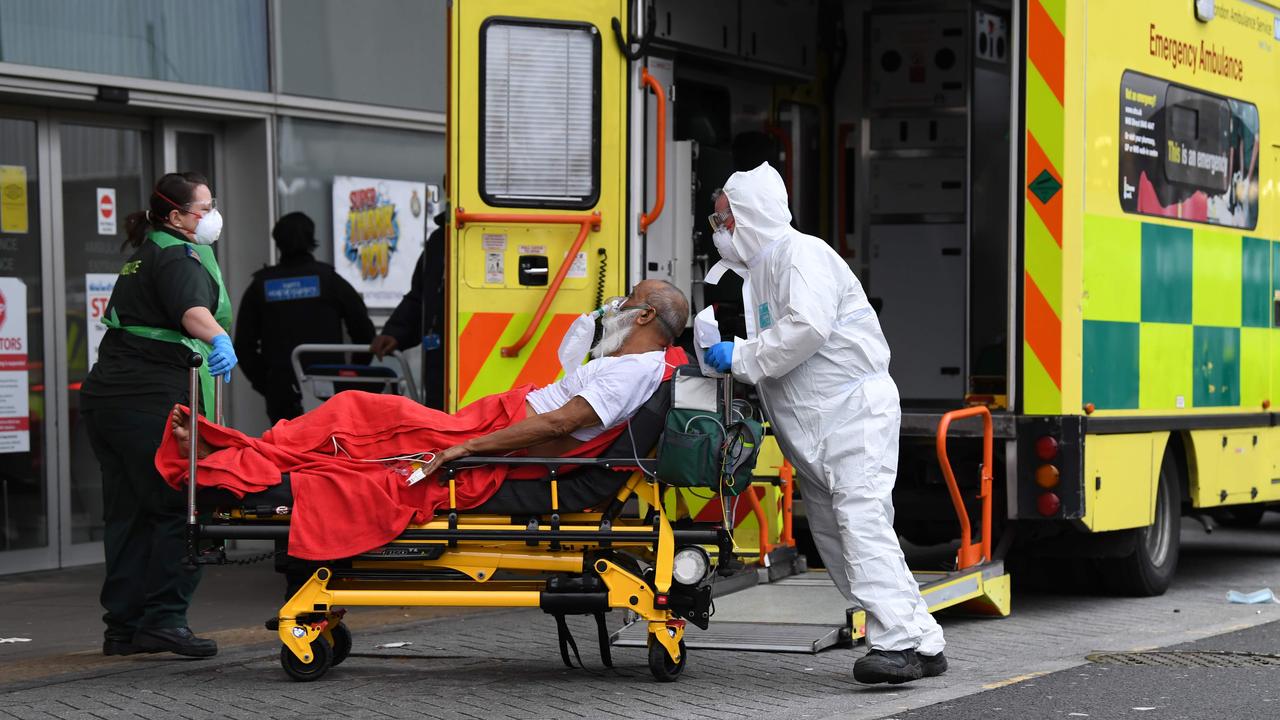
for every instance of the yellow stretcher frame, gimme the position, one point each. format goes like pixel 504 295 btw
pixel 480 548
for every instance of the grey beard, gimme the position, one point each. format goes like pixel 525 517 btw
pixel 616 330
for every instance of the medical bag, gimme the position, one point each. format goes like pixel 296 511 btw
pixel 707 440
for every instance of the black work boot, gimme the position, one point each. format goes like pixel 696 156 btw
pixel 933 665
pixel 120 646
pixel 180 641
pixel 888 666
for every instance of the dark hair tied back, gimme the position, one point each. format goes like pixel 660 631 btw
pixel 180 188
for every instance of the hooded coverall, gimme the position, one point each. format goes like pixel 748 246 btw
pixel 820 362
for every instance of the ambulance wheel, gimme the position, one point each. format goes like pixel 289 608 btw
pixel 341 643
pixel 664 669
pixel 321 661
pixel 1148 569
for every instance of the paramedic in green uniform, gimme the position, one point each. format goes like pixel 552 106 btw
pixel 168 302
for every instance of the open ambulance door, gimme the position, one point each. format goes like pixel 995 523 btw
pixel 537 183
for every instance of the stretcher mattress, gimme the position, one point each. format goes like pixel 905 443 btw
pixel 580 489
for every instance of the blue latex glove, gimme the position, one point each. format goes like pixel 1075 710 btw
pixel 223 357
pixel 720 356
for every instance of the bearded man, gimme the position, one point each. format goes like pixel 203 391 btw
pixel 342 457
pixel 626 368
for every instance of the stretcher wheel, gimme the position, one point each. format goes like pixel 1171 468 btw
pixel 661 665
pixel 321 661
pixel 341 643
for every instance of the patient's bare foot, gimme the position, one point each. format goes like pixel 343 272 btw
pixel 180 421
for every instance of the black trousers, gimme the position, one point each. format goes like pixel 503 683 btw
pixel 148 584
pixel 284 402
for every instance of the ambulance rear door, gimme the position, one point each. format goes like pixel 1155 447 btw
pixel 537 184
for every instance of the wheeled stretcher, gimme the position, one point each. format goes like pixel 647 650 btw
pixel 589 537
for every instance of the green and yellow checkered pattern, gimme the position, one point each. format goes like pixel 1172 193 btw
pixel 1178 317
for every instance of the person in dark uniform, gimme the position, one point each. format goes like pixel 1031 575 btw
pixel 298 300
pixel 419 318
pixel 168 302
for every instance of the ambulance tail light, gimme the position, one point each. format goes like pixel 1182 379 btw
pixel 1048 476
pixel 1047 448
pixel 1048 504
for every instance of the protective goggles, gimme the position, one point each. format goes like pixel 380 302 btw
pixel 213 205
pixel 614 305
pixel 718 219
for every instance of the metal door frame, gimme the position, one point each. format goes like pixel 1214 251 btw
pixel 166 155
pixel 71 554
pixel 40 558
pixel 163 144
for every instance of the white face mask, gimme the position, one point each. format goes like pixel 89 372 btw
pixel 209 228
pixel 723 240
pixel 577 343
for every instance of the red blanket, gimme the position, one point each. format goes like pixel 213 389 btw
pixel 344 505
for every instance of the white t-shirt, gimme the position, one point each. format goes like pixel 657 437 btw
pixel 615 387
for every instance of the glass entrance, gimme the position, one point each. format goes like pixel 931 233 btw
pixel 67 183
pixel 106 173
pixel 25 540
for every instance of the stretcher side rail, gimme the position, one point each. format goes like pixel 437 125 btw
pixel 647 465
pixel 403 379
pixel 551 465
pixel 279 531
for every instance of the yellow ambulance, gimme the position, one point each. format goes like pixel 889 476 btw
pixel 1065 210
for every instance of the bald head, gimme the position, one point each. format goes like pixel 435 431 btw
pixel 671 309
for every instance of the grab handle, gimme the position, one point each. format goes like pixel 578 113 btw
pixel 217 400
pixel 785 140
pixel 194 361
pixel 585 223
pixel 660 152
pixel 969 554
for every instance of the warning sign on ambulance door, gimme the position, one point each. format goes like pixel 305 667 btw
pixel 494 268
pixel 107 211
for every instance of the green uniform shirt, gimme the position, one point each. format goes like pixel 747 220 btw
pixel 155 288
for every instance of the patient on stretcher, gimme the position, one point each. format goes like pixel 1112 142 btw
pixel 340 457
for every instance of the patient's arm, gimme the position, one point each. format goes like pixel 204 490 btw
pixel 535 430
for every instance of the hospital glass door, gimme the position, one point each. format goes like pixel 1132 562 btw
pixel 106 172
pixel 26 500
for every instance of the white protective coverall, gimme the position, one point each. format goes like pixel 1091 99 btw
pixel 820 362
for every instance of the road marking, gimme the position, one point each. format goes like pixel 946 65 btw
pixel 1014 680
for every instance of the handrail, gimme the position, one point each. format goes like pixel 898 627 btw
pixel 762 522
pixel 405 378
pixel 842 180
pixel 660 161
pixel 787 474
pixel 785 140
pixel 585 223
pixel 969 555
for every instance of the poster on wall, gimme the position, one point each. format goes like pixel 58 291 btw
pixel 15 411
pixel 13 199
pixel 379 227
pixel 97 293
pixel 1187 154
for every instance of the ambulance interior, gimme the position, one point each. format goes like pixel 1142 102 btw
pixel 890 122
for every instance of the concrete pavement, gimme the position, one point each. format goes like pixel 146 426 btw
pixel 1107 691
pixel 506 664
